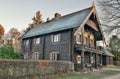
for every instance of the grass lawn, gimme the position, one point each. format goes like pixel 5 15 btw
pixel 93 75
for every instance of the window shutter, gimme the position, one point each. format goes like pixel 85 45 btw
pixel 50 56
pixel 34 40
pixel 51 38
pixel 59 37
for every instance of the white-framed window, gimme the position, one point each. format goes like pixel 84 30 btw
pixel 54 56
pixel 26 55
pixel 92 60
pixel 56 38
pixel 37 40
pixel 92 40
pixel 78 59
pixel 78 38
pixel 35 56
pixel 26 42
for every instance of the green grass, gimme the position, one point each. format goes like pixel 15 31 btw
pixel 97 75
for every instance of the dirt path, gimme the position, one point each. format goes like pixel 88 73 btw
pixel 113 77
pixel 116 69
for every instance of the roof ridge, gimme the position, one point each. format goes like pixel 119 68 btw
pixel 66 15
pixel 76 12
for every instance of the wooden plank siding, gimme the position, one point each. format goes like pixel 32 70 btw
pixel 92 24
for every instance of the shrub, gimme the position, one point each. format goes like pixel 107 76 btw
pixel 7 52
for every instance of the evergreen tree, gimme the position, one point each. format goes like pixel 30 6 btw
pixel 36 20
pixel 114 47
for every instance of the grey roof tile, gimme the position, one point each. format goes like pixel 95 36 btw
pixel 106 52
pixel 65 22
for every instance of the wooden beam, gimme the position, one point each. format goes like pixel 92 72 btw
pixel 92 24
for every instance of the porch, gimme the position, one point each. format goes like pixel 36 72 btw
pixel 87 57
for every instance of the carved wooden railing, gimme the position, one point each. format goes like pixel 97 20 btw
pixel 87 47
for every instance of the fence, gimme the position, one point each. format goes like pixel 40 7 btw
pixel 29 69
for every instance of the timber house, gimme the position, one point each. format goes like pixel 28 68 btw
pixel 71 37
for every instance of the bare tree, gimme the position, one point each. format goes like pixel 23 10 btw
pixel 13 38
pixel 13 33
pixel 110 15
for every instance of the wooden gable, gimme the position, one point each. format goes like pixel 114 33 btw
pixel 93 23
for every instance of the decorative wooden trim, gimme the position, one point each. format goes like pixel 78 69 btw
pixel 82 25
pixel 92 24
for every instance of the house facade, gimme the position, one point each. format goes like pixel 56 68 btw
pixel 107 58
pixel 71 37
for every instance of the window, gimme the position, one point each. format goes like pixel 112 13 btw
pixel 87 58
pixel 26 55
pixel 78 39
pixel 92 60
pixel 55 38
pixel 35 56
pixel 54 56
pixel 36 41
pixel 26 42
pixel 91 42
pixel 86 41
pixel 78 59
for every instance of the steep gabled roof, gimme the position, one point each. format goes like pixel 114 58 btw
pixel 65 22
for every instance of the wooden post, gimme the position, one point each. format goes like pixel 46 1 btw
pixel 82 51
pixel 91 59
pixel 96 60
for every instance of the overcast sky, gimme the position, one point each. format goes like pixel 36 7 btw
pixel 18 13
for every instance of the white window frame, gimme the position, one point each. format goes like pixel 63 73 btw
pixel 37 40
pixel 92 60
pixel 78 39
pixel 26 42
pixel 26 56
pixel 78 59
pixel 56 38
pixel 36 56
pixel 54 56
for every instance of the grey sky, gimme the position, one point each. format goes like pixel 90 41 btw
pixel 18 13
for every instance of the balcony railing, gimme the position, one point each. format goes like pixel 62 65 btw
pixel 87 48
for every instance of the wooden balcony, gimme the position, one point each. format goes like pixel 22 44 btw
pixel 87 48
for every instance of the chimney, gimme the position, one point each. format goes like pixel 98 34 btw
pixel 57 15
pixel 48 19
